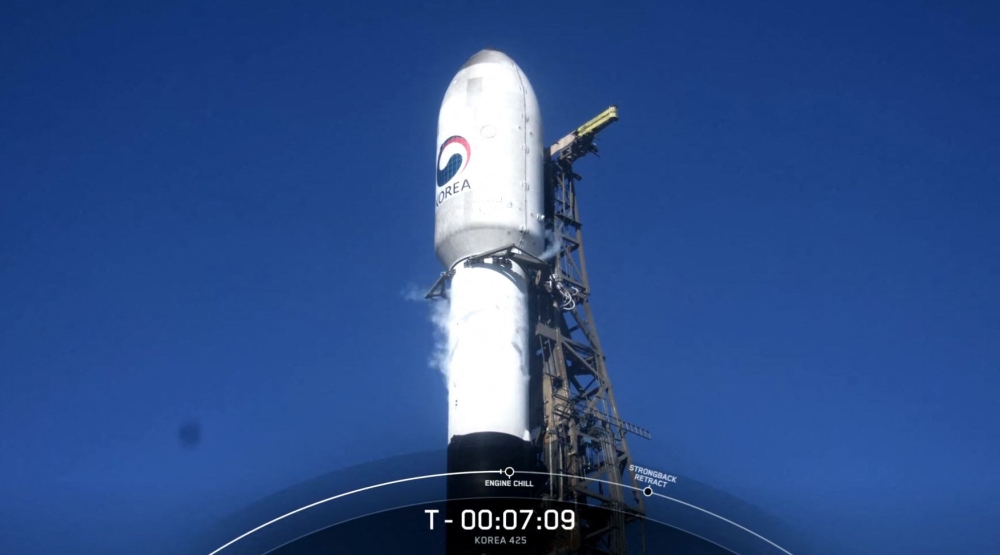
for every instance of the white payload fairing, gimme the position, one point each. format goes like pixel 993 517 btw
pixel 490 162
pixel 489 195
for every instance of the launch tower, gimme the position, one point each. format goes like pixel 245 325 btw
pixel 583 439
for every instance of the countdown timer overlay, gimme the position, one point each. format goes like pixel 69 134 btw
pixel 397 506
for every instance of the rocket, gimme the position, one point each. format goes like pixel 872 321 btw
pixel 489 194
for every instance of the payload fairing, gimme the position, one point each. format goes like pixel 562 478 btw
pixel 489 195
pixel 490 162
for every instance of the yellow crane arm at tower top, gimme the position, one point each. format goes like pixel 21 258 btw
pixel 583 135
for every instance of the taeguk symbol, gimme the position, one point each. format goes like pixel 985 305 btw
pixel 453 157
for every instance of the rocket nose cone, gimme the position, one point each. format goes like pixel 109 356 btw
pixel 487 56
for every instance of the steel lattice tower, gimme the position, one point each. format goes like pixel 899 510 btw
pixel 582 439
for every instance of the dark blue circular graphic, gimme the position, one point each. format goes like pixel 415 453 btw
pixel 456 162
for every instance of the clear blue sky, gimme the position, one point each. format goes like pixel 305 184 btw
pixel 210 211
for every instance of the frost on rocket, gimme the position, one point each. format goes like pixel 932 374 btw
pixel 486 361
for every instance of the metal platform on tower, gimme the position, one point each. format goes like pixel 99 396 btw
pixel 582 438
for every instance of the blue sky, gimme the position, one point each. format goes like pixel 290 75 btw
pixel 211 211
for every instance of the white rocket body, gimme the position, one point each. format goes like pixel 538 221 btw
pixel 489 194
pixel 488 351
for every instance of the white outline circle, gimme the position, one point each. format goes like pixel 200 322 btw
pixel 509 471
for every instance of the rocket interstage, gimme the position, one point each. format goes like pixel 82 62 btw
pixel 489 195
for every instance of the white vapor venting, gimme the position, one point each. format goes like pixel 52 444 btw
pixel 554 243
pixel 441 318
pixel 487 357
pixel 439 314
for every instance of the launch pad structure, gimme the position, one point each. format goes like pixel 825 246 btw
pixel 579 434
pixel 583 442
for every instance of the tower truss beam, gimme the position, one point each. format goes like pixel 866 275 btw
pixel 581 433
